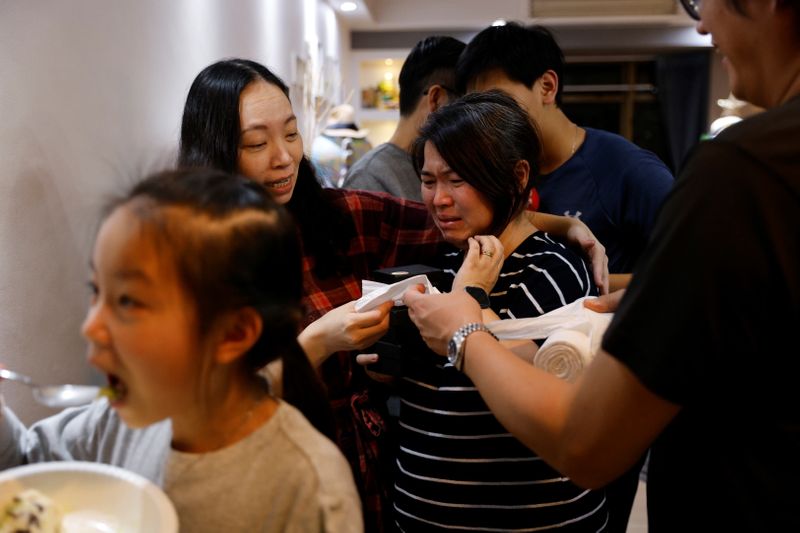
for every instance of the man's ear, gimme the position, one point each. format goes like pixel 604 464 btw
pixel 522 169
pixel 548 86
pixel 240 331
pixel 437 97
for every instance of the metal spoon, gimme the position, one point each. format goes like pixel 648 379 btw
pixel 55 395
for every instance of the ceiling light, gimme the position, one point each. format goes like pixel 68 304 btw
pixel 499 22
pixel 348 6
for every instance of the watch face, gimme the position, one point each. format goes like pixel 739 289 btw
pixel 452 351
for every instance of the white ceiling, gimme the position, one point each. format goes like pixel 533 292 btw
pixel 581 26
pixel 394 15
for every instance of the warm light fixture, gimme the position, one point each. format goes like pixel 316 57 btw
pixel 348 6
pixel 499 22
pixel 388 62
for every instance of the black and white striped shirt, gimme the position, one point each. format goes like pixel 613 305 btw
pixel 458 468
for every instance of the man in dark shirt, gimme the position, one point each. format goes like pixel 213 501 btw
pixel 700 362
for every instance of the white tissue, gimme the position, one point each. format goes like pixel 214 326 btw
pixel 375 293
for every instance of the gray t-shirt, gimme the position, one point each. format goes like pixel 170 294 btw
pixel 387 168
pixel 285 476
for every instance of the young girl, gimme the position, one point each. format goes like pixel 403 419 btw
pixel 196 286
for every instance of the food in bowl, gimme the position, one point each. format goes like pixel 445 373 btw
pixel 30 511
pixel 94 497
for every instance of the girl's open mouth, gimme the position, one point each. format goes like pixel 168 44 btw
pixel 115 390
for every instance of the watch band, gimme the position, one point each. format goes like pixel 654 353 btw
pixel 479 294
pixel 456 346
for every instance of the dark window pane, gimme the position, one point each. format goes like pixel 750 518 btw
pixel 649 131
pixel 592 73
pixel 646 72
pixel 601 116
pixel 620 97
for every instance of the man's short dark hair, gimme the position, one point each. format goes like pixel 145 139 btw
pixel 523 53
pixel 432 61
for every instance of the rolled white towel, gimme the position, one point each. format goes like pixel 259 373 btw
pixel 565 353
pixel 573 334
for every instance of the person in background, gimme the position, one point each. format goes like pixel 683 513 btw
pixel 611 184
pixel 458 467
pixel 182 346
pixel 339 146
pixel 238 118
pixel 695 363
pixel 426 83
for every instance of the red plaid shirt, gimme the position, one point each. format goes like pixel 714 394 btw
pixel 389 232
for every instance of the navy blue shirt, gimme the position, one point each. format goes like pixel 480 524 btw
pixel 615 188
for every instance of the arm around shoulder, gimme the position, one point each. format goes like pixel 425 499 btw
pixel 578 234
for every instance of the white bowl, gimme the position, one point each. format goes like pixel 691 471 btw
pixel 95 497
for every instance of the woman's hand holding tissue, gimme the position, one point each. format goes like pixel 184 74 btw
pixel 343 328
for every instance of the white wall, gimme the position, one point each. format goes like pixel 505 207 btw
pixel 91 94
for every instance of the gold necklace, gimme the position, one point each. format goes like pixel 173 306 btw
pixel 575 140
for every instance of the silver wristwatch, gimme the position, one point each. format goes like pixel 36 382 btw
pixel 455 348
